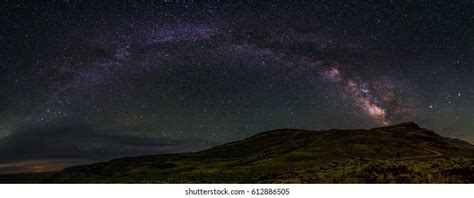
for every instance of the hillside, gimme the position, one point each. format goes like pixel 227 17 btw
pixel 403 153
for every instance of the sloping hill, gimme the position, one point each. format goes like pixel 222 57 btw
pixel 399 153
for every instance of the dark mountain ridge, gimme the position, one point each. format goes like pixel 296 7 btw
pixel 293 155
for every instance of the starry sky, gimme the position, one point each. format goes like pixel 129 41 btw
pixel 95 80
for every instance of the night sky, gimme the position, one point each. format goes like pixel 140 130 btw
pixel 86 81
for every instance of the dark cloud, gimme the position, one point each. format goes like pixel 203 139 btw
pixel 78 141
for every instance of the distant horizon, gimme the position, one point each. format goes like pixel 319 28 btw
pixel 56 165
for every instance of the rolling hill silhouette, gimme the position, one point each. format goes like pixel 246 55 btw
pixel 403 153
